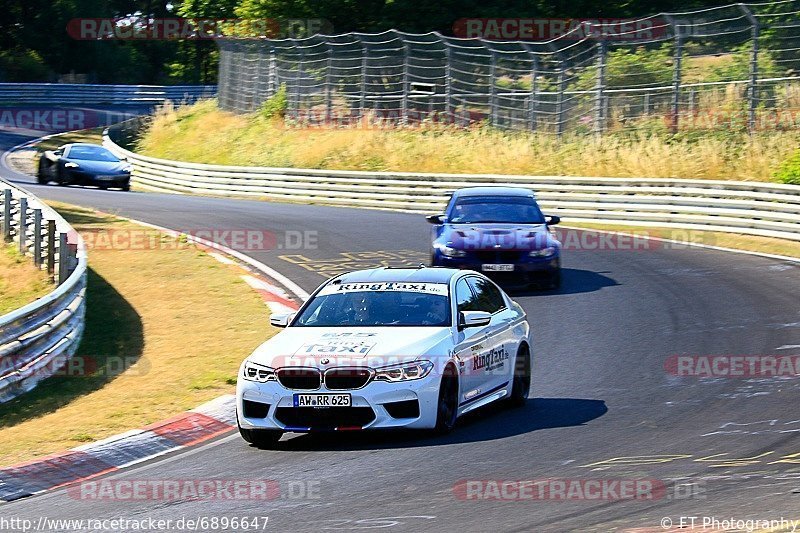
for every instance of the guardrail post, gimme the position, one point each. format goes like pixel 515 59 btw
pixel 63 258
pixel 51 249
pixel 7 215
pixel 22 233
pixel 37 238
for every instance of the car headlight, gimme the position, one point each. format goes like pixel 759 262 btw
pixel 448 251
pixel 256 372
pixel 404 372
pixel 544 252
pixel 71 165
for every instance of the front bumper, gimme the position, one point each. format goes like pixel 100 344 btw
pixel 531 270
pixel 372 407
pixel 86 178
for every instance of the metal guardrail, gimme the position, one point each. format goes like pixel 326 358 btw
pixel 37 339
pixel 753 208
pixel 86 94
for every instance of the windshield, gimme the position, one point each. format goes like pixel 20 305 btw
pixel 382 304
pixel 504 209
pixel 92 153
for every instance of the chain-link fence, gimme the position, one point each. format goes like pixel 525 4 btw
pixel 735 66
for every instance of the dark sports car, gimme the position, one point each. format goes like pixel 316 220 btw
pixel 500 232
pixel 84 164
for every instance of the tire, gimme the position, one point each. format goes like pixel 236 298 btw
pixel 521 387
pixel 60 178
pixel 40 177
pixel 260 438
pixel 126 187
pixel 447 405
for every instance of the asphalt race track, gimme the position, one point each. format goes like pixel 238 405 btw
pixel 603 406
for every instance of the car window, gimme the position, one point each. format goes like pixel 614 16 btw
pixel 487 295
pixel 491 209
pixel 465 298
pixel 92 153
pixel 378 304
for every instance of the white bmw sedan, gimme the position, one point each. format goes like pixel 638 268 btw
pixel 386 348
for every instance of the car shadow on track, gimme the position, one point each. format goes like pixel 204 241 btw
pixel 573 281
pixel 489 423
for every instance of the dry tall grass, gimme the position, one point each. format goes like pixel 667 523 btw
pixel 202 133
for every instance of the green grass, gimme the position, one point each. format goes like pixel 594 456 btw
pixel 20 281
pixel 204 134
pixel 166 330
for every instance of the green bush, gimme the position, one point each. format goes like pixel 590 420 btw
pixel 789 171
pixel 275 105
pixel 22 66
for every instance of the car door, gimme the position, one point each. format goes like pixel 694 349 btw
pixel 495 363
pixel 468 343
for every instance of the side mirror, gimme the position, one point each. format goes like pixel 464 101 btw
pixel 58 152
pixel 281 320
pixel 472 319
pixel 123 158
pixel 435 219
pixel 552 220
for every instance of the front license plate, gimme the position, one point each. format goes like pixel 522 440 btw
pixel 321 400
pixel 497 268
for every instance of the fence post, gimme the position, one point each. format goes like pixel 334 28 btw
pixel 676 73
pixel 562 87
pixel 272 73
pixel 51 249
pixel 493 87
pixel 7 215
pixel 300 81
pixel 406 84
pixel 22 232
pixel 329 86
pixel 362 105
pixel 752 85
pixel 534 88
pixel 63 258
pixel 37 237
pixel 448 86
pixel 599 103
pixel 646 104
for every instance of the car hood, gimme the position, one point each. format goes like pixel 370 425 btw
pixel 374 347
pixel 497 236
pixel 98 166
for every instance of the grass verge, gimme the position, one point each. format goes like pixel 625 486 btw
pixel 186 134
pixel 736 241
pixel 20 282
pixel 173 318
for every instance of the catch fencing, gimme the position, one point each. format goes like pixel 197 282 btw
pixel 37 339
pixel 735 66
